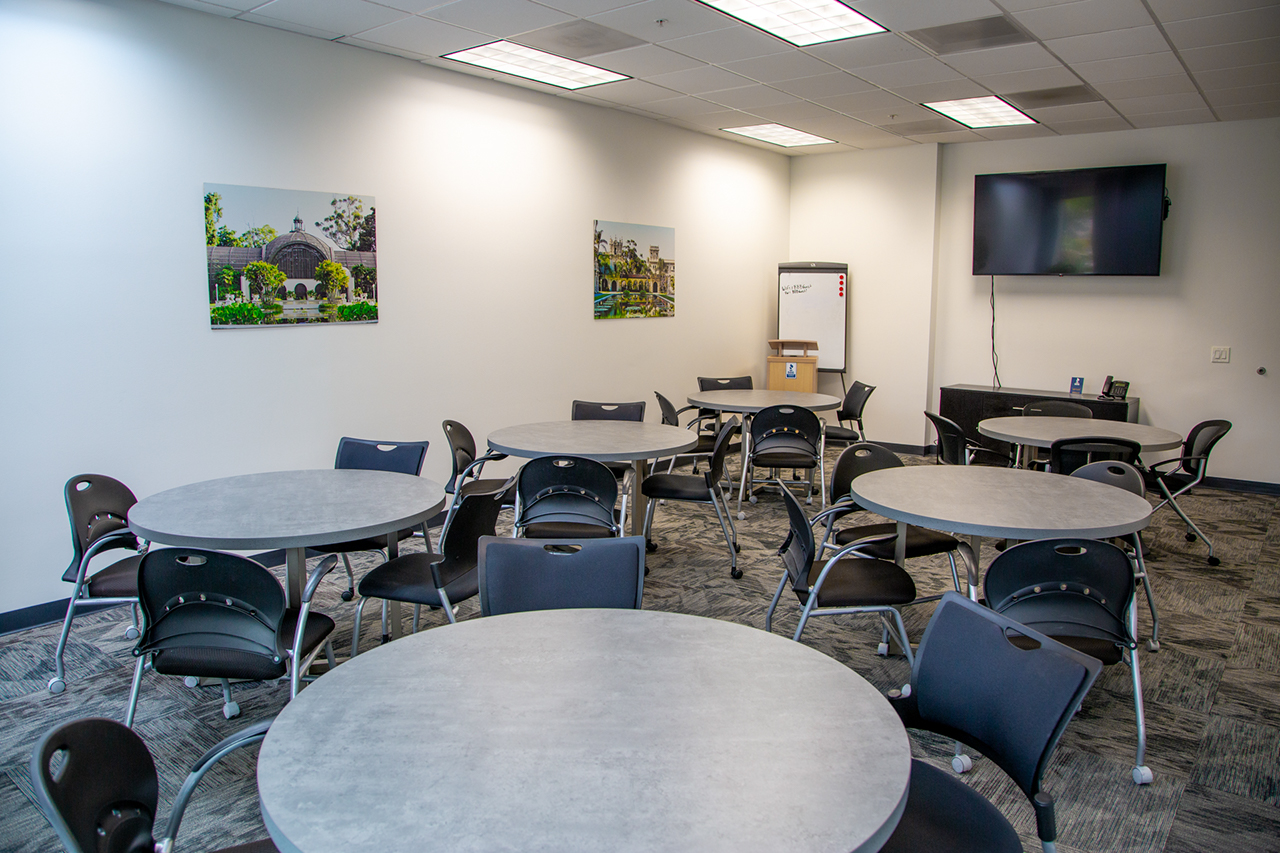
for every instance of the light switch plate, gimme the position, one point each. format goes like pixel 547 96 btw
pixel 1220 355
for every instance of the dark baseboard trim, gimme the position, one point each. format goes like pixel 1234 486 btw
pixel 1253 487
pixel 49 613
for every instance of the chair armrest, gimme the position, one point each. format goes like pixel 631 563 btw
pixel 972 448
pixel 325 566
pixel 104 542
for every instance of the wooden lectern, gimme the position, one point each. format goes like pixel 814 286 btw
pixel 792 372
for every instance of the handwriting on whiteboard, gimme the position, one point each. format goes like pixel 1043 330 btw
pixel 790 287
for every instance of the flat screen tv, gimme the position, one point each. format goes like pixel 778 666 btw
pixel 1078 222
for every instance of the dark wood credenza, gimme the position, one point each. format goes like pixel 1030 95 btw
pixel 969 404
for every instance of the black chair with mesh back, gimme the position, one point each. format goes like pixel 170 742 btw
pixel 1081 593
pixel 468 467
pixel 400 457
pixel 1186 472
pixel 210 614
pixel 1051 409
pixel 971 683
pixel 96 783
pixel 699 488
pixel 706 440
pixel 956 448
pixel 1068 454
pixel 518 575
pixel 863 458
pixel 1124 476
pixel 567 497
pixel 440 580
pixel 784 437
pixel 855 400
pixel 848 582
pixel 97 507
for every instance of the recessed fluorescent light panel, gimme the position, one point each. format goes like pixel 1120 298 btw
pixel 801 22
pixel 779 135
pixel 520 61
pixel 981 112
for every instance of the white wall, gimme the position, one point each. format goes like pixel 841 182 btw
pixel 116 113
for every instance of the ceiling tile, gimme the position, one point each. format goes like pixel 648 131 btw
pixel 1072 112
pixel 1255 52
pixel 644 61
pixel 792 113
pixel 952 136
pixel 1019 131
pixel 723 119
pixel 727 45
pixel 1038 78
pixel 1110 45
pixel 1034 99
pixel 681 18
pixel 911 73
pixel 1129 67
pixel 1083 17
pixel 899 113
pixel 1169 85
pixel 1225 29
pixel 1089 125
pixel 874 99
pixel 751 97
pixel 950 90
pixel 291 26
pixel 1231 78
pixel 629 92
pixel 998 60
pixel 847 130
pixel 500 18
pixel 422 35
pixel 226 9
pixel 356 41
pixel 824 85
pixel 698 81
pixel 346 17
pixel 1171 118
pixel 682 107
pixel 1023 5
pixel 1244 95
pixel 791 65
pixel 579 8
pixel 1177 10
pixel 879 49
pixel 577 39
pixel 937 124
pixel 1158 104
pixel 899 15
pixel 965 36
pixel 415 6
pixel 1249 111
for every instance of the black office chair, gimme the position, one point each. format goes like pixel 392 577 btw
pixel 848 582
pixel 555 574
pixel 1051 409
pixel 1068 454
pixel 437 580
pixel 567 497
pixel 468 467
pixel 209 614
pixel 97 507
pixel 699 488
pixel 584 410
pixel 401 457
pixel 784 437
pixel 96 784
pixel 855 400
pixel 1080 592
pixel 956 448
pixel 1186 472
pixel 720 383
pixel 706 439
pixel 971 683
pixel 863 458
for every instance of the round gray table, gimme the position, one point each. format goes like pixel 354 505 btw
pixel 1005 503
pixel 1044 431
pixel 290 510
pixel 586 730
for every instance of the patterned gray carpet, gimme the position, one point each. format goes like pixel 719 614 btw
pixel 1212 691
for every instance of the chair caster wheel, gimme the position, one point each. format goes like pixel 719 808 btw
pixel 1153 645
pixel 1214 561
pixel 962 764
pixel 191 681
pixel 883 650
pixel 347 594
pixel 650 547
pixel 742 516
pixel 754 499
pixel 735 573
pixel 57 685
pixel 131 633
pixel 737 549
pixel 1191 537
pixel 808 501
pixel 231 710
pixel 1142 775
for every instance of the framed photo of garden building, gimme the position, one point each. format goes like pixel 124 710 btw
pixel 289 257
pixel 635 270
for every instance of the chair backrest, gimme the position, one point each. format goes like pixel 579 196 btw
pixel 1068 454
pixel 858 459
pixel 1062 582
pixel 555 574
pixel 952 442
pixel 715 471
pixel 222 606
pixel 725 383
pixel 555 489
pixel 400 457
pixel 462 444
pixel 584 410
pixel 96 783
pixel 96 505
pixel 475 515
pixel 1056 409
pixel 798 549
pixel 786 427
pixel 1122 475
pixel 670 417
pixel 1200 441
pixel 970 683
pixel 855 400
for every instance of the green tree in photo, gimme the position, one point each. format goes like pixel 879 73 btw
pixel 366 240
pixel 212 214
pixel 366 280
pixel 332 278
pixel 345 224
pixel 228 282
pixel 264 281
pixel 257 237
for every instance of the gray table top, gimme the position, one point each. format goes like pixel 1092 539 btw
pixel 750 401
pixel 286 509
pixel 604 441
pixel 1002 502
pixel 586 730
pixel 1044 431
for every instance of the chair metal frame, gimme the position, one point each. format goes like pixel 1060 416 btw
pixel 855 400
pixel 1193 463
pixel 581 503
pixel 800 431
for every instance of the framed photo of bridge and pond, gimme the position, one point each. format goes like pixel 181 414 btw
pixel 302 258
pixel 634 270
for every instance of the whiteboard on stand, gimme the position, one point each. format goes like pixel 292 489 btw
pixel 812 305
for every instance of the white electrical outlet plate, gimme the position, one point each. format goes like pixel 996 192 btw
pixel 1220 355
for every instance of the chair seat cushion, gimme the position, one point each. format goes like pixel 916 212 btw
pixel 783 459
pixel 319 626
pixel 943 813
pixel 217 663
pixel 472 486
pixel 263 846
pixel 408 579
pixel 118 580
pixel 921 542
pixel 566 530
pixel 676 487
pixel 857 582
pixel 839 433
